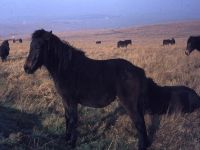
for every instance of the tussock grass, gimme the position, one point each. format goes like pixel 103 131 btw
pixel 32 115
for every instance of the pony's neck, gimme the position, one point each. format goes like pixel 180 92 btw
pixel 57 57
pixel 60 57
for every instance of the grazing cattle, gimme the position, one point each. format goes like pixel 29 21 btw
pixel 168 41
pixel 98 42
pixel 4 50
pixel 192 44
pixel 124 43
pixel 94 83
pixel 20 40
pixel 169 99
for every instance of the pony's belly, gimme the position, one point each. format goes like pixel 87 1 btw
pixel 97 102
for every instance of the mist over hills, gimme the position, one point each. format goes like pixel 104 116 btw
pixel 26 25
pixel 23 17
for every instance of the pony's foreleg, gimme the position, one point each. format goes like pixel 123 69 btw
pixel 71 117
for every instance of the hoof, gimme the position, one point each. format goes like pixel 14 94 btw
pixel 145 146
pixel 149 142
pixel 71 140
pixel 68 137
pixel 72 143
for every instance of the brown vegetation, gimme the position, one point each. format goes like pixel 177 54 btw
pixel 32 114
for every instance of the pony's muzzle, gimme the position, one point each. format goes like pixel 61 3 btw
pixel 27 69
pixel 187 53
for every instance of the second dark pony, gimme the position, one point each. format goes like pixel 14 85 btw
pixel 170 99
pixel 4 50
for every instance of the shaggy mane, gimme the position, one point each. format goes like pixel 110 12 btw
pixel 41 32
pixel 78 51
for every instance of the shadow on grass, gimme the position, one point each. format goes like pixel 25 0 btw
pixel 15 125
pixel 21 130
pixel 13 120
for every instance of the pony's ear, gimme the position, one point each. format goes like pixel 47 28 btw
pixel 47 35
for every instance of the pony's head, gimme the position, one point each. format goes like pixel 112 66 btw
pixel 38 45
pixel 5 42
pixel 191 45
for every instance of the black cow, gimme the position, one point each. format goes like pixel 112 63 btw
pixel 169 41
pixel 124 43
pixel 4 50
pixel 192 44
pixel 98 42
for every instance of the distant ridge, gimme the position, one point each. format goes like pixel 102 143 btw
pixel 177 29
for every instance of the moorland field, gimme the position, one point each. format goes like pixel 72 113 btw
pixel 31 111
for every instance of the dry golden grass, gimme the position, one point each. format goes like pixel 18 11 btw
pixel 32 114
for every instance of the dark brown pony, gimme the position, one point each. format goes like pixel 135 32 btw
pixel 124 43
pixel 93 83
pixel 4 50
pixel 169 41
pixel 193 43
pixel 170 99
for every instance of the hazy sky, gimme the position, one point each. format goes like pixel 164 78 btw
pixel 108 13
pixel 46 8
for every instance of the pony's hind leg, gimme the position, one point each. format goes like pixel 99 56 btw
pixel 132 98
pixel 138 120
pixel 154 126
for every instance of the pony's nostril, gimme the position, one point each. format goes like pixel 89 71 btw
pixel 187 53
